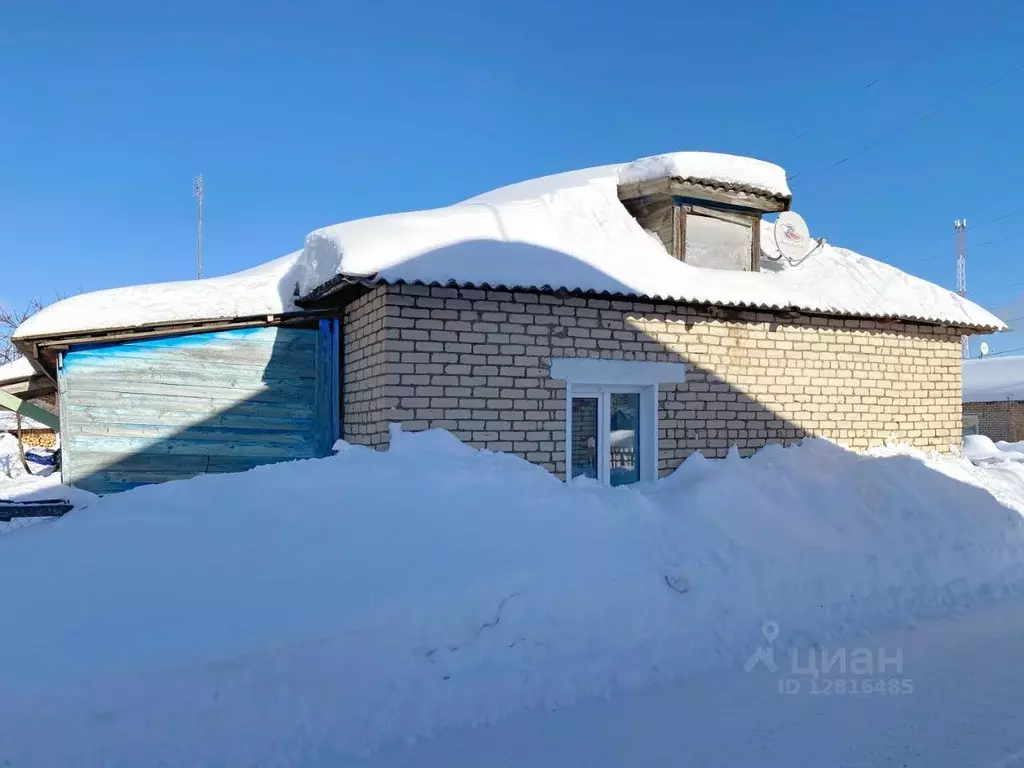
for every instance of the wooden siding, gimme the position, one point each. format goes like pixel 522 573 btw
pixel 153 410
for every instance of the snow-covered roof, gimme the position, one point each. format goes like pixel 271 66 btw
pixel 19 369
pixel 992 379
pixel 563 232
pixel 9 422
pixel 268 289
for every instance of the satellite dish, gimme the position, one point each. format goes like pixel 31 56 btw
pixel 984 348
pixel 792 237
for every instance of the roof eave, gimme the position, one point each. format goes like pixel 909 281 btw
pixel 318 296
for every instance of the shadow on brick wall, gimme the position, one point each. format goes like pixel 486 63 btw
pixel 476 361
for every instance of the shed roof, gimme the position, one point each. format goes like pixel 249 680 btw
pixel 17 370
pixel 993 379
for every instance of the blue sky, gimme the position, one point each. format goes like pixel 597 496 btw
pixel 304 116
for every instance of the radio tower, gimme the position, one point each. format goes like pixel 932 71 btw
pixel 197 192
pixel 960 225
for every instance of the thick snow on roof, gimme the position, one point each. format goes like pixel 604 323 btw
pixel 547 233
pixel 567 231
pixel 263 290
pixel 993 379
pixel 728 170
pixel 19 369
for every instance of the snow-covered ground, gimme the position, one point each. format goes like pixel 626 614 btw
pixel 981 450
pixel 961 691
pixel 42 482
pixel 307 612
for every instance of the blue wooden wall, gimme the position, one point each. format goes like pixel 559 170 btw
pixel 148 411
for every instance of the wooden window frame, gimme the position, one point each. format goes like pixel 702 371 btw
pixel 742 217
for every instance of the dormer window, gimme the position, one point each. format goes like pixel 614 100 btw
pixel 702 224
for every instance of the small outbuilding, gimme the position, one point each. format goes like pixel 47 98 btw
pixel 604 323
pixel 24 385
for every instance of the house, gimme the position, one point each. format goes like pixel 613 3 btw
pixel 993 390
pixel 23 379
pixel 604 323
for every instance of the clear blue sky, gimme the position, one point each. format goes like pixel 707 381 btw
pixel 304 116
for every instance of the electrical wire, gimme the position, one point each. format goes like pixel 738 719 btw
pixel 948 254
pixel 1005 352
pixel 900 128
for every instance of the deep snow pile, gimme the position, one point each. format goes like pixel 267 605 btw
pixel 307 610
pixel 981 450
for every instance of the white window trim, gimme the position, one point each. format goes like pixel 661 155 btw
pixel 590 377
pixel 594 371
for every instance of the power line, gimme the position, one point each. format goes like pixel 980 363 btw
pixel 900 128
pixel 949 254
pixel 842 95
pixel 1005 352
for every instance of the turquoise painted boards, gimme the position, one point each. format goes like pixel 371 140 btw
pixel 163 409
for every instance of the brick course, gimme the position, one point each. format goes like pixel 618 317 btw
pixel 478 364
pixel 1000 420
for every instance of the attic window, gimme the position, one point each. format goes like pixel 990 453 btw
pixel 701 224
pixel 717 239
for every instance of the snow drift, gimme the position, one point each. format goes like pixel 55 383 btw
pixel 308 610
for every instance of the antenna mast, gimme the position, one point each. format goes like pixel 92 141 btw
pixel 197 192
pixel 960 225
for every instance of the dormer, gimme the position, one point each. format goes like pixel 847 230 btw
pixel 704 222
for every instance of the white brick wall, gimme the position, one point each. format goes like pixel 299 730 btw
pixel 477 363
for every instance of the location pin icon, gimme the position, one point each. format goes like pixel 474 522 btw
pixel 770 630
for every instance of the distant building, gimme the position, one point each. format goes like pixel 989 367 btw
pixel 26 380
pixel 993 394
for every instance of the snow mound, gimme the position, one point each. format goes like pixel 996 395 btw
pixel 992 379
pixel 305 611
pixel 981 449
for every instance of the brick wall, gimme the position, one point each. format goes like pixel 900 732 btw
pixel 477 363
pixel 364 374
pixel 999 421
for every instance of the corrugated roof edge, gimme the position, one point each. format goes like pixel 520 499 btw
pixel 732 187
pixel 339 282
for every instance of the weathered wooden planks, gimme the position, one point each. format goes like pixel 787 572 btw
pixel 159 409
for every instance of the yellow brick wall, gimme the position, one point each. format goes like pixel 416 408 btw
pixel 478 363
